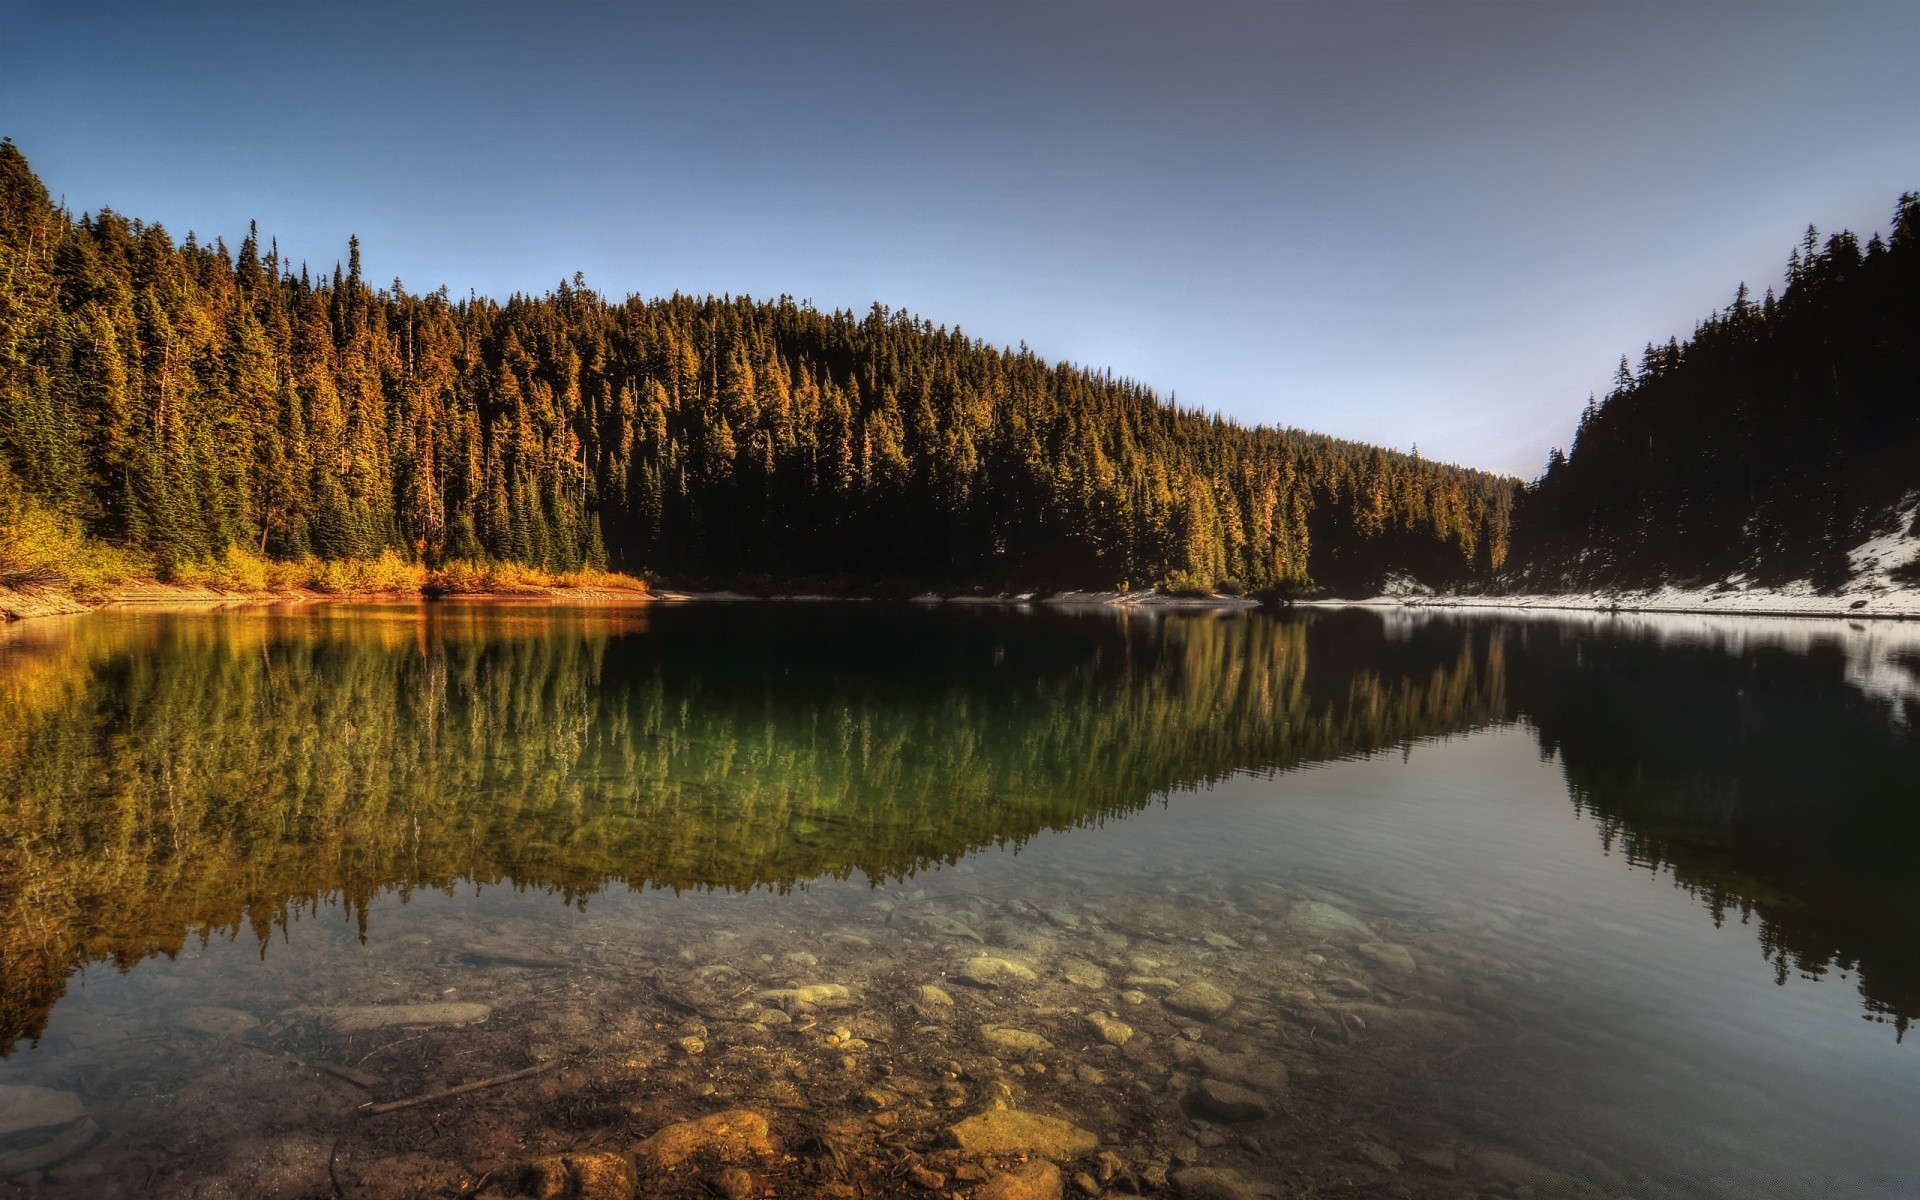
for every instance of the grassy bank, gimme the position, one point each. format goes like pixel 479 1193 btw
pixel 48 564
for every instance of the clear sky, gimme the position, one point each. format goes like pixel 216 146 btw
pixel 1434 224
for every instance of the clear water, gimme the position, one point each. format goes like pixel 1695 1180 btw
pixel 1640 898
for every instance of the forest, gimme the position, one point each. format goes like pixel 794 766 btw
pixel 191 410
pixel 1784 432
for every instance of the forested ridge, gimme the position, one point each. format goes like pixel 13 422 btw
pixel 1784 432
pixel 183 402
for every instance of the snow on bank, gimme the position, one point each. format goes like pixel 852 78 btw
pixel 1880 659
pixel 1875 588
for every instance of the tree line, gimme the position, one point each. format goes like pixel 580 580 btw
pixel 179 399
pixel 1784 432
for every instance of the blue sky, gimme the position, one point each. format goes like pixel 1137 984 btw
pixel 1433 224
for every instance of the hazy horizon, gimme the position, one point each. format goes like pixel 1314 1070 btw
pixel 1411 225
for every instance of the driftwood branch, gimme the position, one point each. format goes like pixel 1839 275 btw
pixel 375 1110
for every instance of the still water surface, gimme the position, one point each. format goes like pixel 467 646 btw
pixel 1594 906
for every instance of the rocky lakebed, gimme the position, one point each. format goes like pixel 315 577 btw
pixel 923 1039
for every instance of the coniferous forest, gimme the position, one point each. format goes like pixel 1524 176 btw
pixel 1783 433
pixel 181 401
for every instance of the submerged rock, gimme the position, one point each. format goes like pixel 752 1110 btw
pixel 1112 1030
pixel 1009 1131
pixel 599 1176
pixel 24 1107
pixel 1019 1041
pixel 1200 1000
pixel 1081 973
pixel 360 1018
pixel 1387 956
pixel 1038 1180
pixel 39 1127
pixel 1215 1183
pixel 1380 1156
pixel 1314 918
pixel 987 971
pixel 811 996
pixel 1229 1101
pixel 733 1137
pixel 216 1022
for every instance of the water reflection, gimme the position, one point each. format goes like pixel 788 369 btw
pixel 174 776
pixel 1436 978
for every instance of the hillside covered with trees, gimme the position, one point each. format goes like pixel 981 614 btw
pixel 1782 434
pixel 185 403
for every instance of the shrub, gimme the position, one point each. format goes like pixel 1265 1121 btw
pixel 43 548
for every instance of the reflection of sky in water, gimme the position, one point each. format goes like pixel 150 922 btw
pixel 1653 1037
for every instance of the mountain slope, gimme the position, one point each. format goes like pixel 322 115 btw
pixel 178 400
pixel 1778 448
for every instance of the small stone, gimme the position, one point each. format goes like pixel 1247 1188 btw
pixel 1221 941
pixel 933 1181
pixel 1387 956
pixel 1086 1184
pixel 1200 1000
pixel 1134 996
pixel 732 1137
pixel 1019 1041
pixel 1010 1131
pixel 1210 1139
pixel 989 972
pixel 1441 1160
pixel 1380 1156
pixel 1081 973
pixel 1229 1101
pixel 1038 1180
pixel 1215 1183
pixel 581 1177
pixel 734 1183
pixel 937 997
pixel 1112 1166
pixel 692 1045
pixel 1111 1029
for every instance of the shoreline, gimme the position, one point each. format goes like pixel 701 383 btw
pixel 1899 606
pixel 1896 605
pixel 19 604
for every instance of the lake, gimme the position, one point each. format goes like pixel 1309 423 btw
pixel 858 900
